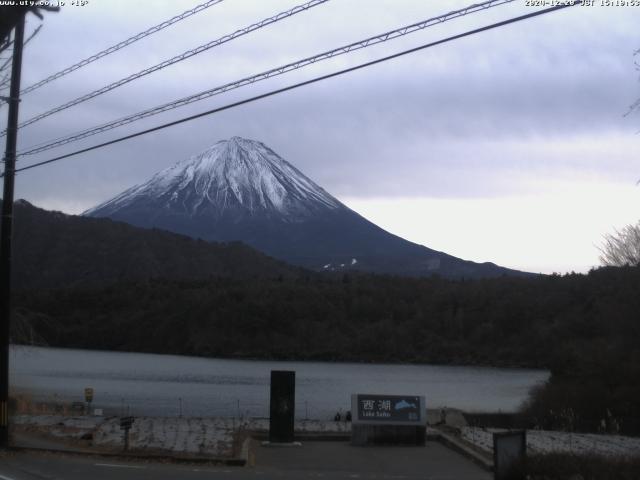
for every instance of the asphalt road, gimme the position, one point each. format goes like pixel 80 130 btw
pixel 317 460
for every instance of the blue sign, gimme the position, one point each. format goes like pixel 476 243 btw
pixel 391 408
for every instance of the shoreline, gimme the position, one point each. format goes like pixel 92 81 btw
pixel 507 367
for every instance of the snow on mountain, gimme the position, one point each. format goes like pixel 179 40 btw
pixel 236 173
pixel 241 190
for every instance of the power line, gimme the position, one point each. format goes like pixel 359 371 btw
pixel 4 82
pixel 121 45
pixel 178 58
pixel 5 45
pixel 304 83
pixel 33 34
pixel 265 75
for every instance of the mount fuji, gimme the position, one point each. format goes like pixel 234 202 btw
pixel 240 189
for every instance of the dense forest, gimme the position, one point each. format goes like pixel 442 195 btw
pixel 584 328
pixel 52 249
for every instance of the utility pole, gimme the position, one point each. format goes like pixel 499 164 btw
pixel 6 230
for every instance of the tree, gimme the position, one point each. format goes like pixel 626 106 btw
pixel 622 247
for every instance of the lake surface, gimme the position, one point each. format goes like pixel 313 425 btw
pixel 165 385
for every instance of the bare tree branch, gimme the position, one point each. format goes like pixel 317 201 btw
pixel 622 248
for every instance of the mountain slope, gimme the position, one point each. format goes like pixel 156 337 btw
pixel 52 249
pixel 232 179
pixel 241 190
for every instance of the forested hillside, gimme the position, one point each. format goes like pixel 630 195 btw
pixel 554 321
pixel 230 301
pixel 52 249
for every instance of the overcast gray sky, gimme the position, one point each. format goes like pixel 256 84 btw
pixel 509 146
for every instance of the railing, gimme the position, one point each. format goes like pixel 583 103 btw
pixel 26 404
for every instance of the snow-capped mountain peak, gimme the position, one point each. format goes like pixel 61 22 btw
pixel 241 190
pixel 237 174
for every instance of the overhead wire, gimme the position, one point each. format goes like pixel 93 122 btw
pixel 5 81
pixel 367 42
pixel 10 58
pixel 5 45
pixel 173 60
pixel 304 83
pixel 121 45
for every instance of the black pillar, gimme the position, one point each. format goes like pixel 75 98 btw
pixel 282 407
pixel 5 234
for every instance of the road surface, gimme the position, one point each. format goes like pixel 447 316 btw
pixel 313 460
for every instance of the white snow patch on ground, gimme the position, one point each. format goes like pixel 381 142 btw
pixel 211 436
pixel 544 441
pixel 208 436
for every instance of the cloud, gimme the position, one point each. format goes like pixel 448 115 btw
pixel 497 115
pixel 558 230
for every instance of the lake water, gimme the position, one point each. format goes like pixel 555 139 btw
pixel 165 385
